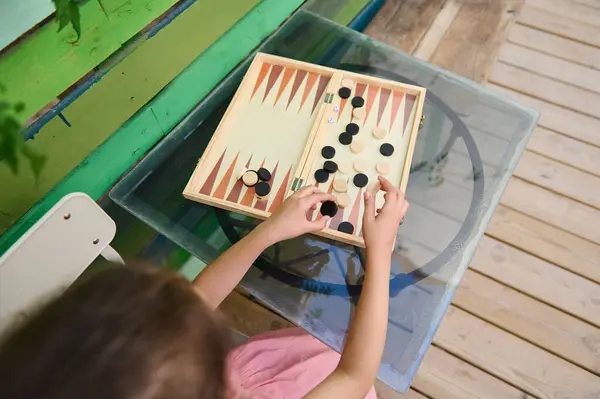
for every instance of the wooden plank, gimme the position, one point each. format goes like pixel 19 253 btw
pixel 540 170
pixel 546 65
pixel 555 45
pixel 536 277
pixel 437 30
pixel 546 242
pixel 559 25
pixel 546 89
pixel 385 392
pixel 512 359
pixel 568 9
pixel 590 3
pixel 445 376
pixel 402 23
pixel 248 317
pixel 553 208
pixel 421 219
pixel 563 149
pixel 559 178
pixel 557 118
pixel 119 95
pixel 543 240
pixel 101 169
pixel 484 26
pixel 536 322
pixel 340 11
pixel 57 62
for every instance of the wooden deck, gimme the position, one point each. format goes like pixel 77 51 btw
pixel 525 321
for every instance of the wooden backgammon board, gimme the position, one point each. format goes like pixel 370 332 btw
pixel 292 123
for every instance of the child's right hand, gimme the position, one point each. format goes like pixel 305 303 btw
pixel 290 219
pixel 380 228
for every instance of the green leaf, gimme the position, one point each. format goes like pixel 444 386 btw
pixel 62 22
pixel 4 106
pixel 75 18
pixel 36 160
pixel 10 141
pixel 62 13
pixel 61 5
pixel 67 12
pixel 19 107
pixel 12 144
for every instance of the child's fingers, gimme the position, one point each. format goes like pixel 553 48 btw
pixel 375 188
pixel 369 213
pixel 389 204
pixel 404 208
pixel 401 194
pixel 392 194
pixel 386 185
pixel 306 191
pixel 320 223
pixel 315 198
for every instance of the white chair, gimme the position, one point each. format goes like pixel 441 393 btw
pixel 53 253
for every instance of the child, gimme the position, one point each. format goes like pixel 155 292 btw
pixel 135 333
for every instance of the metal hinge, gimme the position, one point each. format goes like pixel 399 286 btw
pixel 297 184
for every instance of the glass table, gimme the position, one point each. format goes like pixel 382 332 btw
pixel 466 151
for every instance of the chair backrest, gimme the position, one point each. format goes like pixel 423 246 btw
pixel 53 253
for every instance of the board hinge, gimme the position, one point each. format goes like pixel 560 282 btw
pixel 297 184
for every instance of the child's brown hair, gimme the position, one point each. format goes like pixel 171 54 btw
pixel 122 333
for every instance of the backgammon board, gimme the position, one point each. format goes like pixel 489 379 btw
pixel 291 124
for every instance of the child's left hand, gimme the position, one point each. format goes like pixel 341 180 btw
pixel 290 219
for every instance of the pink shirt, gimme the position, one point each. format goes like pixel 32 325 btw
pixel 282 364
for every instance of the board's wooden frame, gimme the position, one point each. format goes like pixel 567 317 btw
pixel 191 190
